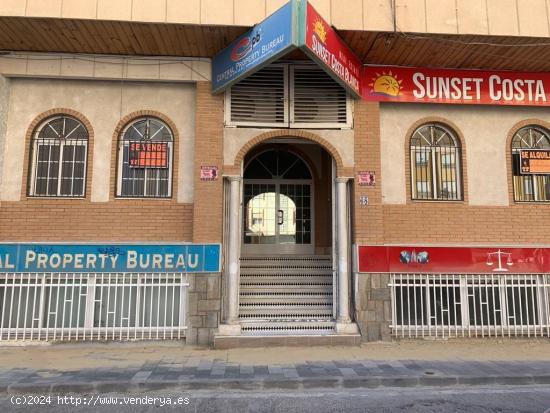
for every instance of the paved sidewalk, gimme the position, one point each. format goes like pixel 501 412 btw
pixel 137 367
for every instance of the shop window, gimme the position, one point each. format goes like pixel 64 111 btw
pixel 285 95
pixel 58 158
pixel 145 152
pixel 435 167
pixel 530 187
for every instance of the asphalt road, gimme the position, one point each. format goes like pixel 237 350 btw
pixel 502 399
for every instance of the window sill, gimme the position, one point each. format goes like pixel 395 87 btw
pixel 74 198
pixel 439 201
pixel 121 198
pixel 531 202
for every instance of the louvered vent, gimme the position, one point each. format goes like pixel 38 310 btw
pixel 318 99
pixel 287 95
pixel 259 99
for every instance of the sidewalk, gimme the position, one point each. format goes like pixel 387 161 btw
pixel 131 367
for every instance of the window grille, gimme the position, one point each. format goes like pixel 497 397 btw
pixel 285 95
pixel 58 158
pixel 470 305
pixel 435 164
pixel 145 153
pixel 530 188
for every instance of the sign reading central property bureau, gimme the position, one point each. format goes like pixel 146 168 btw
pixel 109 258
pixel 256 48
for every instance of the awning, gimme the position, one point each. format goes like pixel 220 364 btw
pixel 296 25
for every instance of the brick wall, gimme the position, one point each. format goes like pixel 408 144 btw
pixel 80 220
pixel 208 195
pixel 368 225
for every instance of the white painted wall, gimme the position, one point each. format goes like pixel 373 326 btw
pixel 485 130
pixel 4 99
pixel 104 103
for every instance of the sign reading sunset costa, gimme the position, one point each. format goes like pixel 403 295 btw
pixel 413 84
pixel 325 46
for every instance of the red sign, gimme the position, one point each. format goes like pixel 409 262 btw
pixel 421 85
pixel 148 155
pixel 453 260
pixel 534 161
pixel 328 49
pixel 366 178
pixel 209 173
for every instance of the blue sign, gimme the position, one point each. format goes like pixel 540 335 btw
pixel 266 42
pixel 94 258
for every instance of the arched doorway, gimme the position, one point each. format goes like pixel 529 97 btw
pixel 287 265
pixel 278 204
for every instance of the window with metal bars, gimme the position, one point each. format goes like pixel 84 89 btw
pixel 288 95
pixel 470 304
pixel 435 164
pixel 58 158
pixel 530 187
pixel 145 152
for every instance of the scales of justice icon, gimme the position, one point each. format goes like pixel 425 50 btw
pixel 500 255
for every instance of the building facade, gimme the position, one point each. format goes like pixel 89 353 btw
pixel 239 173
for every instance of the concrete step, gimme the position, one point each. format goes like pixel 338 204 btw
pixel 284 288
pixel 295 340
pixel 281 326
pixel 284 314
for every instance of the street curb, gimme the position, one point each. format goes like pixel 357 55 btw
pixel 99 387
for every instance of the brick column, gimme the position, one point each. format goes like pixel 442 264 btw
pixel 205 289
pixel 372 297
pixel 368 225
pixel 208 195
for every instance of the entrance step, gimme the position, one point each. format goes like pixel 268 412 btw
pixel 286 296
pixel 295 340
pixel 286 327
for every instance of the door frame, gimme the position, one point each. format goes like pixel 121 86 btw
pixel 279 249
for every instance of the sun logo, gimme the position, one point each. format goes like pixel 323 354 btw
pixel 386 84
pixel 319 30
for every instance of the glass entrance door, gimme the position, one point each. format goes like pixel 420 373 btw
pixel 277 204
pixel 277 217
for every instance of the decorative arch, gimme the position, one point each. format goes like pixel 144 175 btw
pixel 122 123
pixel 236 167
pixel 460 137
pixel 28 143
pixel 258 149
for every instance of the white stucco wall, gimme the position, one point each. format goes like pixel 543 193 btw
pixel 236 138
pixel 4 99
pixel 104 103
pixel 485 130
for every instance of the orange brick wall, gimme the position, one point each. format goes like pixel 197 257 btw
pixel 81 220
pixel 368 224
pixel 433 222
pixel 208 195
